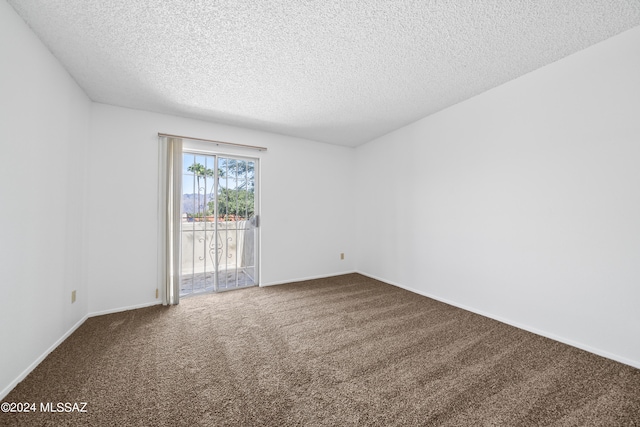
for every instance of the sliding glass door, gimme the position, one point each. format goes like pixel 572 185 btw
pixel 219 220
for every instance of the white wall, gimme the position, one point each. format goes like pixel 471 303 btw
pixel 75 173
pixel 44 124
pixel 307 204
pixel 522 203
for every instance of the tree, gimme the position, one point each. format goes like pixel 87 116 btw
pixel 236 188
pixel 242 170
pixel 236 202
pixel 200 172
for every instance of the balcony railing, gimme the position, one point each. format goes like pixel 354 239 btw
pixel 231 247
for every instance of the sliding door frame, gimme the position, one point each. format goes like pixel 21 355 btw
pixel 217 154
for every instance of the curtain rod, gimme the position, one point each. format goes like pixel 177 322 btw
pixel 233 144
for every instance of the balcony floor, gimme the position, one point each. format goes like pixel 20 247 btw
pixel 198 283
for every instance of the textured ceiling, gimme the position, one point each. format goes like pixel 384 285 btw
pixel 336 71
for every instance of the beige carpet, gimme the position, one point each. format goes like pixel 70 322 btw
pixel 342 351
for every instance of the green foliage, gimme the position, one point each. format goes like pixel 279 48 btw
pixel 241 170
pixel 237 202
pixel 200 171
pixel 198 215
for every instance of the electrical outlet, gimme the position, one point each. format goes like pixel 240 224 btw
pixel 342 255
pixel 73 297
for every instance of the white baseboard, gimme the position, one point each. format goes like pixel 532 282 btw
pixel 599 352
pixel 118 310
pixel 324 276
pixel 31 367
pixel 59 341
pixel 572 343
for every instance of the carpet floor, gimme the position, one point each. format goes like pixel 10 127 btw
pixel 342 351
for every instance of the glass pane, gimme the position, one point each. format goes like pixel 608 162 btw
pixel 218 227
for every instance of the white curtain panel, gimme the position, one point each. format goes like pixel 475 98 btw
pixel 170 195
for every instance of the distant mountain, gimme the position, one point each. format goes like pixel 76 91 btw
pixel 190 202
